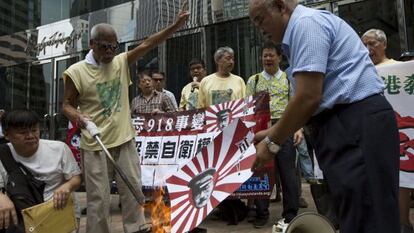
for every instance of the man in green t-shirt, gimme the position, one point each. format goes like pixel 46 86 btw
pixel 274 81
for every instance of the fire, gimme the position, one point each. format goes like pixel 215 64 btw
pixel 160 212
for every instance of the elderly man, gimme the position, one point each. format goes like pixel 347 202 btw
pixel 338 94
pixel 376 42
pixel 150 100
pixel 222 86
pixel 99 86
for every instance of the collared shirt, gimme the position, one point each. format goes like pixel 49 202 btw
pixel 170 95
pixel 157 101
pixel 318 41
pixel 276 85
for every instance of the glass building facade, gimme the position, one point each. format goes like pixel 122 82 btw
pixel 39 39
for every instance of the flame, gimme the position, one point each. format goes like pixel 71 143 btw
pixel 160 212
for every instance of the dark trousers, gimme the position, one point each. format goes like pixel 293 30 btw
pixel 357 147
pixel 285 165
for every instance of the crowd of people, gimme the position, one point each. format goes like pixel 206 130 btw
pixel 330 95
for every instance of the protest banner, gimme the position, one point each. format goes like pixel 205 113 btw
pixel 211 176
pixel 399 91
pixel 167 141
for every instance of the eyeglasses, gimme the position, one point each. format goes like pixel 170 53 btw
pixel 105 46
pixel 158 79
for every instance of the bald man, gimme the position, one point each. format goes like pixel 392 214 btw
pixel 99 86
pixel 338 96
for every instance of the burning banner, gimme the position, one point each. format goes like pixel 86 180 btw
pixel 211 176
pixel 399 81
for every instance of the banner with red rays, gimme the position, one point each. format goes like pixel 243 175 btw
pixel 211 176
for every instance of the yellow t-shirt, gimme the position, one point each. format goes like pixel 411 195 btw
pixel 387 62
pixel 215 90
pixel 103 94
pixel 189 99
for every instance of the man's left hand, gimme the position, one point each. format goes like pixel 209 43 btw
pixel 183 15
pixel 60 196
pixel 263 155
pixel 297 137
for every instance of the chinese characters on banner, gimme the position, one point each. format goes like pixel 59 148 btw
pixel 399 91
pixel 168 141
pixel 211 176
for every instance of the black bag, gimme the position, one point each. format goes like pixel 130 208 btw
pixel 233 211
pixel 22 188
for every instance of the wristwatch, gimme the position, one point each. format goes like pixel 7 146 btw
pixel 272 146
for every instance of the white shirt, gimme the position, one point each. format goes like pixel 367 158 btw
pixel 52 163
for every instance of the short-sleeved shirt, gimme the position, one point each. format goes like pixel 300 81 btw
pixel 216 90
pixel 276 85
pixel 103 94
pixel 170 95
pixel 189 97
pixel 52 163
pixel 319 41
pixel 157 101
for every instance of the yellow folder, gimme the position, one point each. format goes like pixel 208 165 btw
pixel 44 218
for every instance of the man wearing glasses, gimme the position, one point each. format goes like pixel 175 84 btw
pixel 99 86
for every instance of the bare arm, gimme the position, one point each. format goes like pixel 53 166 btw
pixel 8 214
pixel 159 37
pixel 69 105
pixel 301 106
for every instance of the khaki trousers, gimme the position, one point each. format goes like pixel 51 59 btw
pixel 98 174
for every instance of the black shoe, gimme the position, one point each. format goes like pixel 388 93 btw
pixel 251 215
pixel 260 222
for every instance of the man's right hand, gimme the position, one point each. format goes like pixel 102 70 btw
pixel 82 120
pixel 7 211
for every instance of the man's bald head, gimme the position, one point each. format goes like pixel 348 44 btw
pixel 103 42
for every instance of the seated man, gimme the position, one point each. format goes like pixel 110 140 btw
pixel 49 161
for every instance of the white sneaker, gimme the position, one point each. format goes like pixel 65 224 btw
pixel 280 227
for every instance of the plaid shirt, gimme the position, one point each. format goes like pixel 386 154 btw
pixel 157 101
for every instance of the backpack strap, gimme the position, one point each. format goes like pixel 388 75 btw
pixel 6 157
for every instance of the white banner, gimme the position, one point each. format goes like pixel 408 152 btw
pixel 399 81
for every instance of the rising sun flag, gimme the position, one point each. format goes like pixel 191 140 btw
pixel 211 176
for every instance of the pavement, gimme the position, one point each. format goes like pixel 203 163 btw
pixel 214 226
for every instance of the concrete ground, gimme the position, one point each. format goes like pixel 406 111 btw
pixel 214 226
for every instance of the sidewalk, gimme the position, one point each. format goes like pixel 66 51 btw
pixel 215 226
pixel 212 226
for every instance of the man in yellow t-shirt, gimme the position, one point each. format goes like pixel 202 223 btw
pixel 99 86
pixel 376 42
pixel 189 94
pixel 222 86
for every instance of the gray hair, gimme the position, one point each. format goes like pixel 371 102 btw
pixel 101 29
pixel 221 51
pixel 378 34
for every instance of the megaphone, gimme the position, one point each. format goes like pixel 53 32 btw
pixel 309 222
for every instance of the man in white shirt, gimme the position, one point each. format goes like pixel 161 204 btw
pixel 49 161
